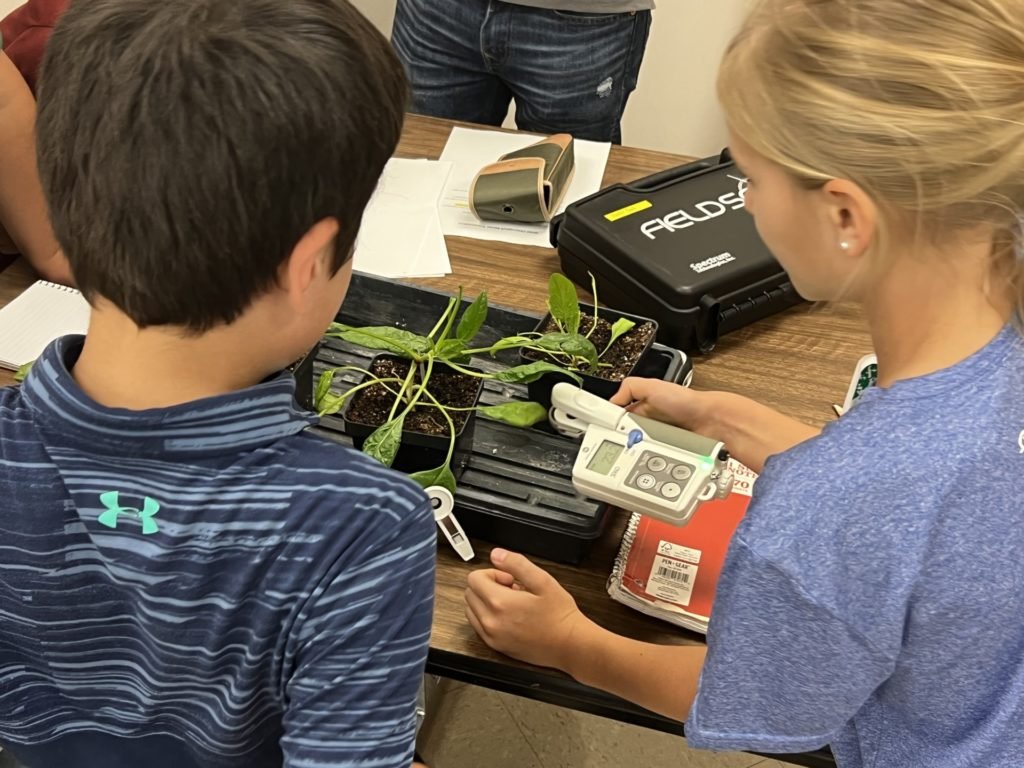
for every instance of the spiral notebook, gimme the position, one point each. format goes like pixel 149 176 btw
pixel 42 313
pixel 671 573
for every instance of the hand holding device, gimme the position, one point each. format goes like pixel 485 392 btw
pixel 638 463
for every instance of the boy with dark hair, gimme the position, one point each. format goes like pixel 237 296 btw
pixel 188 577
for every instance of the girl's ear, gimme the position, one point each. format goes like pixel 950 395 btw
pixel 853 214
pixel 310 259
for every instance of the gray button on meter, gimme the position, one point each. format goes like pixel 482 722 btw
pixel 682 472
pixel 656 464
pixel 670 490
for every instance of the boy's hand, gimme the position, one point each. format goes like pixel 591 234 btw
pixel 519 609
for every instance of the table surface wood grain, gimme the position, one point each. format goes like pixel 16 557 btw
pixel 798 361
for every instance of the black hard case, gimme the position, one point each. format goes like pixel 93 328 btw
pixel 692 259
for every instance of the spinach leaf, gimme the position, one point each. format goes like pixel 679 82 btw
pixel 472 319
pixel 438 476
pixel 563 304
pixel 383 444
pixel 525 374
pixel 517 414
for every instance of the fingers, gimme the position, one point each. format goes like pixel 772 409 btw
pixel 631 390
pixel 484 618
pixel 474 622
pixel 486 590
pixel 532 577
pixel 477 612
pixel 505 579
pixel 634 391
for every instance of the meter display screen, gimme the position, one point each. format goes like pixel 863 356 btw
pixel 605 457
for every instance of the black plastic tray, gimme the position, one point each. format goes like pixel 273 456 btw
pixel 516 490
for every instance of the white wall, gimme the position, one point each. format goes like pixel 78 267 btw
pixel 674 106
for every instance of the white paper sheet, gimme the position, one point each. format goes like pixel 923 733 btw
pixel 401 234
pixel 469 150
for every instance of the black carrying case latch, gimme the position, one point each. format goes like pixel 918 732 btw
pixel 710 323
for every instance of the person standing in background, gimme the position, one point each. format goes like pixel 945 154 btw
pixel 570 65
pixel 25 32
pixel 24 226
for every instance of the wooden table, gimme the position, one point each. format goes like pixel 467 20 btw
pixel 798 361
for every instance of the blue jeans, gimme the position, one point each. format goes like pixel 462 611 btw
pixel 568 72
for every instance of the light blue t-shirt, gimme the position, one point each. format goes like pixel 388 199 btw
pixel 873 597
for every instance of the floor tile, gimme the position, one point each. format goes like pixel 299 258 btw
pixel 565 738
pixel 470 727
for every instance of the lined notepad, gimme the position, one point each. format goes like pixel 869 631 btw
pixel 44 312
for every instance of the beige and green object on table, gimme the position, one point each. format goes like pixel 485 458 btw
pixel 527 185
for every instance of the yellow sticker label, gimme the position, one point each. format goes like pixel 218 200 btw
pixel 629 210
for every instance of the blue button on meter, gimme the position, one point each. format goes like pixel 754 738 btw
pixel 635 436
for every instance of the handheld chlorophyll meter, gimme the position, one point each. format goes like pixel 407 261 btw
pixel 639 464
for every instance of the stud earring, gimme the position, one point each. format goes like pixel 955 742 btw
pixel 844 245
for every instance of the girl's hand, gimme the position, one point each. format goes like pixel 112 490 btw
pixel 669 403
pixel 750 431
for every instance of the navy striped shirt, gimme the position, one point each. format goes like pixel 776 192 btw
pixel 204 585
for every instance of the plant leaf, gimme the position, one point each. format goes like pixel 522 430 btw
pixel 570 344
pixel 438 476
pixel 450 349
pixel 563 304
pixel 383 444
pixel 395 340
pixel 330 404
pixel 517 414
pixel 621 327
pixel 472 319
pixel 323 387
pixel 512 342
pixel 524 374
pixel 22 373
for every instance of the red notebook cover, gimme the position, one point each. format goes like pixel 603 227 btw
pixel 674 570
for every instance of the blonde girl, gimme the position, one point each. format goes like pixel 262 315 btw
pixel 873 597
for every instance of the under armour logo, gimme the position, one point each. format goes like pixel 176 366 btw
pixel 111 500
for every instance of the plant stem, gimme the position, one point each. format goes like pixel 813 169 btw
pixel 593 291
pixel 422 388
pixel 468 371
pixel 335 371
pixel 401 392
pixel 451 425
pixel 348 393
pixel 440 320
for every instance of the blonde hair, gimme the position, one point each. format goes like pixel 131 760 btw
pixel 919 102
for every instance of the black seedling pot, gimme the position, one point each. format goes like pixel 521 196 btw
pixel 418 451
pixel 302 370
pixel 540 390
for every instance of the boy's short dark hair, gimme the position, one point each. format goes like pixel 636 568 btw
pixel 185 146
